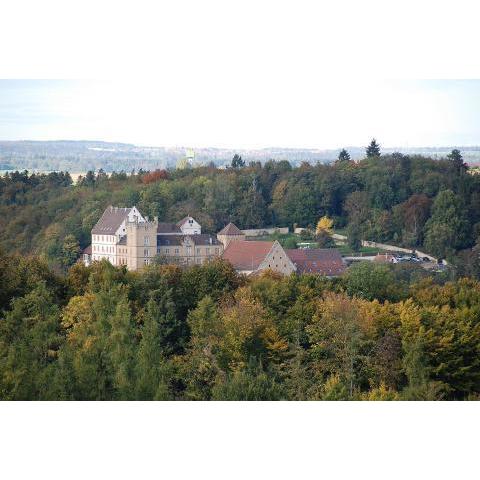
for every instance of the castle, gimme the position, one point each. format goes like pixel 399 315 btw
pixel 123 236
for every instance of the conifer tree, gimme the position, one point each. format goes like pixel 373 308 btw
pixel 149 355
pixel 373 150
pixel 343 156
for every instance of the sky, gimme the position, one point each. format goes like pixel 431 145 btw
pixel 201 111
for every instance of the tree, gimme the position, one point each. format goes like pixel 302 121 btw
pixel 370 281
pixel 29 342
pixel 357 206
pixel 411 216
pixel 448 228
pixel 325 224
pixel 121 347
pixel 70 250
pixel 88 180
pixel 337 332
pixel 354 238
pixel 148 368
pixel 373 150
pixel 324 239
pixel 237 161
pixel 251 384
pixel 343 156
pixel 456 161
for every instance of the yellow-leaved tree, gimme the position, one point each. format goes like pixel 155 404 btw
pixel 325 224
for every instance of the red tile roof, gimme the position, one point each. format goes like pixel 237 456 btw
pixel 325 261
pixel 246 255
pixel 230 229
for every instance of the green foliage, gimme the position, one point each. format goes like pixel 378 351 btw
pixel 343 156
pixel 354 237
pixel 202 333
pixel 370 281
pixel 387 197
pixel 251 384
pixel 237 161
pixel 381 332
pixel 373 150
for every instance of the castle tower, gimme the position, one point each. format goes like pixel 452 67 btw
pixel 141 243
pixel 229 234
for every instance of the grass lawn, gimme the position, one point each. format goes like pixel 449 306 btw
pixel 340 231
pixel 345 250
pixel 281 237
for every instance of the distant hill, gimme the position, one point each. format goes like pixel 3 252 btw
pixel 80 156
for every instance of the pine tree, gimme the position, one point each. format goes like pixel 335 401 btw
pixel 237 161
pixel 456 160
pixel 121 350
pixel 373 150
pixel 343 156
pixel 149 355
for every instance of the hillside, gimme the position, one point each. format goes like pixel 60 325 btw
pixel 410 201
pixel 81 156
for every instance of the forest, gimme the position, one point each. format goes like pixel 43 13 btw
pixel 379 332
pixel 414 202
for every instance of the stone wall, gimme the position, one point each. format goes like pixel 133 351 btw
pixel 258 232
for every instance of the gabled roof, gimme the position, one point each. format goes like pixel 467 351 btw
pixel 110 220
pixel 230 229
pixel 87 250
pixel 325 261
pixel 165 227
pixel 184 220
pixel 247 255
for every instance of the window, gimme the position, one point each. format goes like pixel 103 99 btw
pixel 198 251
pixel 177 251
pixel 189 250
pixel 167 251
pixel 198 260
pixel 146 241
pixel 146 253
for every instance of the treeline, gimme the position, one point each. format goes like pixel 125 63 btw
pixel 412 201
pixel 382 332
